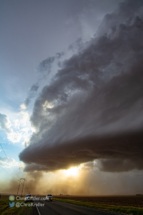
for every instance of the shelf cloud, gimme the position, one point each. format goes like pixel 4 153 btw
pixel 93 107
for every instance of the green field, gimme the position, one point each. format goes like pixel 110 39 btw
pixel 120 209
pixel 5 209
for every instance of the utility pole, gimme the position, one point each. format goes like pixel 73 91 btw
pixel 23 181
pixel 18 187
pixel 26 190
pixel 21 185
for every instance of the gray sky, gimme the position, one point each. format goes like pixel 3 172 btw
pixel 31 31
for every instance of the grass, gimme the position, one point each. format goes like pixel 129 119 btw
pixel 114 208
pixel 5 209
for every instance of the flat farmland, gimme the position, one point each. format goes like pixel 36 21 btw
pixel 133 201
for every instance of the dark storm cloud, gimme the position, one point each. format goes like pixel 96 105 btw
pixel 44 70
pixel 59 55
pixel 46 65
pixel 32 92
pixel 77 45
pixel 93 108
pixel 117 153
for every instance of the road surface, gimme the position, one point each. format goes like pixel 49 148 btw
pixel 62 208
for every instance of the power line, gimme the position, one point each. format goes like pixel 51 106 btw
pixel 18 186
pixel 3 150
pixel 21 181
pixel 7 156
pixel 21 185
pixel 6 172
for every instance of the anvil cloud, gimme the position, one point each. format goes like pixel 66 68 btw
pixel 93 107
